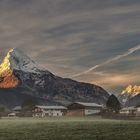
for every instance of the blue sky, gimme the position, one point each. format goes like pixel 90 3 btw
pixel 68 37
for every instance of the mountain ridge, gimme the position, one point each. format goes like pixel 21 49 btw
pixel 31 80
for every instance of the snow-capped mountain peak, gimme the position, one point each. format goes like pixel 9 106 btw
pixel 17 60
pixel 18 68
pixel 21 76
pixel 131 90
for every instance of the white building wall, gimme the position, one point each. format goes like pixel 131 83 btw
pixel 91 111
pixel 124 112
pixel 138 109
pixel 48 112
pixel 54 113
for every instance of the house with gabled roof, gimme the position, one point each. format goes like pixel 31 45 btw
pixel 83 109
pixel 42 111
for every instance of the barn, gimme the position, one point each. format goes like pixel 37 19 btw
pixel 42 111
pixel 83 109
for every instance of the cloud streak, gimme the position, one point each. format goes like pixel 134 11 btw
pixel 128 52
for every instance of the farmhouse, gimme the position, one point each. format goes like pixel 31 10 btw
pixel 42 111
pixel 83 109
pixel 128 111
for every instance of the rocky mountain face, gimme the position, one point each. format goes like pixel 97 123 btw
pixel 130 96
pixel 21 78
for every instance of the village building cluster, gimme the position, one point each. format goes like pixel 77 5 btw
pixel 74 109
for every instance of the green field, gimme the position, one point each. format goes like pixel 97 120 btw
pixel 86 128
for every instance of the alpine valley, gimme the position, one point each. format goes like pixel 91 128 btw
pixel 21 79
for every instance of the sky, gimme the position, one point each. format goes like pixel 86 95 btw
pixel 94 41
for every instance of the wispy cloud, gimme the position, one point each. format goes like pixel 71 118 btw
pixel 128 52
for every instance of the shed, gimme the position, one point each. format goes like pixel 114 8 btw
pixel 12 114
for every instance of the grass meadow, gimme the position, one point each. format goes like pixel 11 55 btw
pixel 64 128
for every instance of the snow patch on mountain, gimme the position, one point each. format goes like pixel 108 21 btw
pixel 19 61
